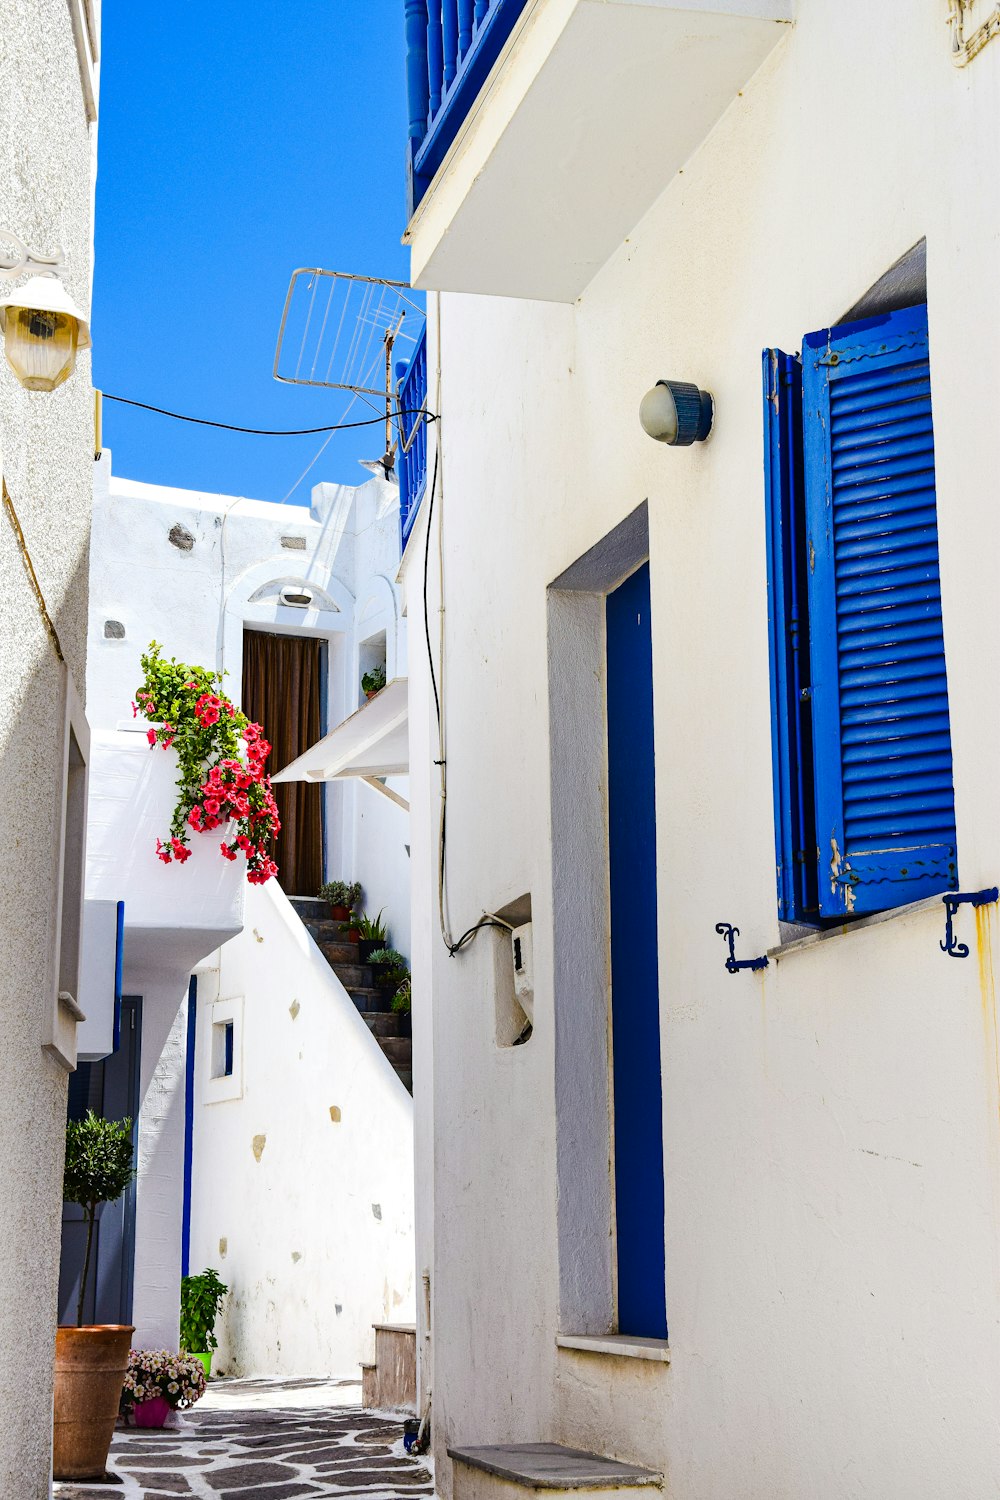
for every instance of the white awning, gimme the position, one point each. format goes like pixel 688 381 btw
pixel 373 742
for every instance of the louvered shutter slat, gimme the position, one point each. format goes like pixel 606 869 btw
pixel 882 743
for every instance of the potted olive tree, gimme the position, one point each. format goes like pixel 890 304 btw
pixel 91 1361
pixel 200 1299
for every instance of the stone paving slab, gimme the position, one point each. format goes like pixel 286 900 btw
pixel 264 1440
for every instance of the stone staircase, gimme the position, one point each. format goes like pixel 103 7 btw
pixel 356 977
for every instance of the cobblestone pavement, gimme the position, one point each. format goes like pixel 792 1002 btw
pixel 264 1440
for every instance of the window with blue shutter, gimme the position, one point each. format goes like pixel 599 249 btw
pixel 852 512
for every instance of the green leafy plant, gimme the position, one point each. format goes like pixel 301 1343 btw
pixel 98 1169
pixel 373 681
pixel 340 893
pixel 372 929
pixel 220 755
pixel 401 999
pixel 390 968
pixel 200 1299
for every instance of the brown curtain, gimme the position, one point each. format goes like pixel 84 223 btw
pixel 281 691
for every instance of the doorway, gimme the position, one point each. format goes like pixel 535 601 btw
pixel 110 1088
pixel 283 690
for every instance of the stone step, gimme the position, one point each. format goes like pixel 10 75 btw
pixel 310 906
pixel 336 953
pixel 405 1077
pixel 326 932
pixel 383 1023
pixel 398 1049
pixel 514 1468
pixel 353 976
pixel 368 999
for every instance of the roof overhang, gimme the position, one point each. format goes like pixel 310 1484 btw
pixel 372 742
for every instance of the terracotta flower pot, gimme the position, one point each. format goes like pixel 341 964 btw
pixel 151 1413
pixel 340 913
pixel 90 1372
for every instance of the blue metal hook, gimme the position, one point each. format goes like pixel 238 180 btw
pixel 734 964
pixel 952 901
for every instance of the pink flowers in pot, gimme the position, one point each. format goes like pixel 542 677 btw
pixel 221 755
pixel 179 1379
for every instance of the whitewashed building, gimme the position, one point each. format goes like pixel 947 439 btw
pixel 736 1226
pixel 274 1129
pixel 48 114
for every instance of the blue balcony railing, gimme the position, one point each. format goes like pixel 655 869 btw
pixel 412 398
pixel 451 45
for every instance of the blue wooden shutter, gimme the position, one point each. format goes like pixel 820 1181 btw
pixel 885 811
pixel 788 626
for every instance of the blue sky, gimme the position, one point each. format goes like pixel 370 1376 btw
pixel 236 143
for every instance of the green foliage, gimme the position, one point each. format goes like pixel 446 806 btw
pixel 340 893
pixel 372 929
pixel 200 1299
pixel 98 1160
pixel 390 968
pixel 389 957
pixel 401 999
pixel 373 681
pixel 97 1170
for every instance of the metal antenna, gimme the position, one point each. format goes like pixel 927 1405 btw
pixel 338 331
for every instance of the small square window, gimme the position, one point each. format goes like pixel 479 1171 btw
pixel 222 1049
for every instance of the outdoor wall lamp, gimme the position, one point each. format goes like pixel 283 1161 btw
pixel 41 324
pixel 677 413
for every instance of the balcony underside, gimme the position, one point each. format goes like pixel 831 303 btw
pixel 589 113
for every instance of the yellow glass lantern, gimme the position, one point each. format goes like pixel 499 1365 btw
pixel 43 329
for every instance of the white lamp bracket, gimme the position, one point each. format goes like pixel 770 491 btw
pixel 28 260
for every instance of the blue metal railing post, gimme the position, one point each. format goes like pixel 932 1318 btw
pixel 464 26
pixel 435 58
pixel 449 22
pixel 417 92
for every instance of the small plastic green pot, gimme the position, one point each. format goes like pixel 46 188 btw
pixel 206 1359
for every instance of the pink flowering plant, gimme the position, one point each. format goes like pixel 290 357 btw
pixel 221 782
pixel 178 1378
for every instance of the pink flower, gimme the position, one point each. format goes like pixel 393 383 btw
pixel 212 805
pixel 194 817
pixel 227 853
pixel 151 737
pixel 135 712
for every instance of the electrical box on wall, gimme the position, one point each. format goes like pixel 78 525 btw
pixel 524 969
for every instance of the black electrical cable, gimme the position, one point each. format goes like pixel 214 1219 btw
pixel 485 921
pixel 177 416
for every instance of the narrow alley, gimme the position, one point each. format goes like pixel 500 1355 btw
pixel 277 1439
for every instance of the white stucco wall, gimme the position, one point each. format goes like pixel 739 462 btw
pixel 46 457
pixel 303 1163
pixel 831 1129
pixel 195 599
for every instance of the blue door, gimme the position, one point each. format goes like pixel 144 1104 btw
pixel 635 1006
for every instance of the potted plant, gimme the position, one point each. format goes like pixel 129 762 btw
pixel 350 930
pixel 401 1006
pixel 389 969
pixel 373 682
pixel 158 1382
pixel 90 1361
pixel 343 897
pixel 201 1296
pixel 372 936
